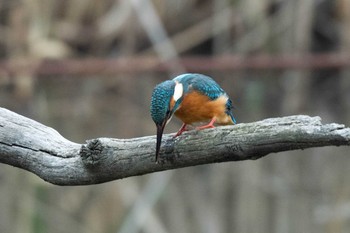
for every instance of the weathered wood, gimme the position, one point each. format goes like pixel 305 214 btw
pixel 29 145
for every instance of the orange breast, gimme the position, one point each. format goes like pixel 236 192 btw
pixel 197 107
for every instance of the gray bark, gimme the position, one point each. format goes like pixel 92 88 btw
pixel 29 145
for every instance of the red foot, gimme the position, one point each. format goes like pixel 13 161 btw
pixel 208 126
pixel 181 130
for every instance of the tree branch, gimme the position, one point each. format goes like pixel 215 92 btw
pixel 29 145
pixel 139 64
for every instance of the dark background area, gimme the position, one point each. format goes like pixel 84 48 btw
pixel 299 191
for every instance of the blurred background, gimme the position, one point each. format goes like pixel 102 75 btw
pixel 87 68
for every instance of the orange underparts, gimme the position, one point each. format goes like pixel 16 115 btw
pixel 197 107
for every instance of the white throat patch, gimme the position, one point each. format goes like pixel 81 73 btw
pixel 178 91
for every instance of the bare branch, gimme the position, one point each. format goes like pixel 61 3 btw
pixel 29 145
pixel 196 64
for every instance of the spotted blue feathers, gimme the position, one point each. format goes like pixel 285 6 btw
pixel 207 86
pixel 160 101
pixel 192 98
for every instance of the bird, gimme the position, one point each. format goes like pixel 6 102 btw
pixel 193 98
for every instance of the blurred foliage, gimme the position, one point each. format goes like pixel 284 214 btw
pixel 301 191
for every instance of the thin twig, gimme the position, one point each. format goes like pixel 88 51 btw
pixel 193 64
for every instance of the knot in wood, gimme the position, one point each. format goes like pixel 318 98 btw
pixel 91 153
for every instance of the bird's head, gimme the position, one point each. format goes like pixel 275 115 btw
pixel 166 99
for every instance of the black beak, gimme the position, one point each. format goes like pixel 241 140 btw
pixel 160 129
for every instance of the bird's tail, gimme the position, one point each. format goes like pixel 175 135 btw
pixel 229 108
pixel 232 117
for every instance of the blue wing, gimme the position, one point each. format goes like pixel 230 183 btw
pixel 206 86
pixel 201 83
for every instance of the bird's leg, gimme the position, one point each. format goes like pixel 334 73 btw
pixel 209 125
pixel 181 130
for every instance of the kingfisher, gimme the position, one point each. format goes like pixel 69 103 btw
pixel 193 98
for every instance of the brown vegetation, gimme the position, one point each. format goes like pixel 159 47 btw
pixel 304 191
